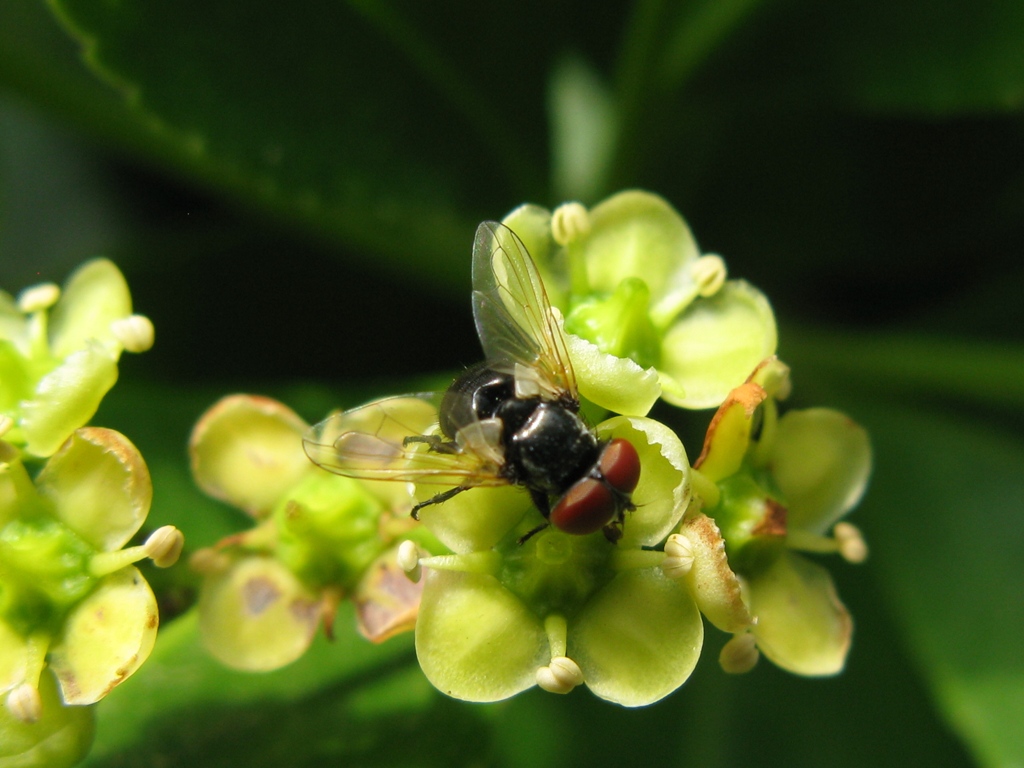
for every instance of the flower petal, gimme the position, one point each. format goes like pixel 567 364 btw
pixel 821 462
pixel 475 520
pixel 67 397
pixel 475 640
pixel 256 616
pixel 94 296
pixel 715 344
pixel 802 626
pixel 387 600
pixel 663 492
pixel 711 581
pixel 638 639
pixel 105 637
pixel 100 487
pixel 638 234
pixel 616 384
pixel 247 450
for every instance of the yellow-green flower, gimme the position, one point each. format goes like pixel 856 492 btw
pixel 319 538
pixel 59 352
pixel 502 614
pixel 70 597
pixel 633 286
pixel 774 497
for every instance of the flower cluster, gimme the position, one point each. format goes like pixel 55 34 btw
pixel 76 617
pixel 318 539
pixel 506 602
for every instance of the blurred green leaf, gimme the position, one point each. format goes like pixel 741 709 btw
pixel 339 117
pixel 943 517
pixel 348 701
pixel 916 366
pixel 927 57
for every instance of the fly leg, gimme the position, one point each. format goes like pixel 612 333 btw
pixel 437 499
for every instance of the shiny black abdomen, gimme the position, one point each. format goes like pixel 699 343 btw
pixel 475 395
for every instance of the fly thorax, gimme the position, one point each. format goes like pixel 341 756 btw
pixel 552 449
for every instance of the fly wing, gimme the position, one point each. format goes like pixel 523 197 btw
pixel 397 439
pixel 513 316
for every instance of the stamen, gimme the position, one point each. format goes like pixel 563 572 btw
pixel 6 422
pixel 852 546
pixel 25 704
pixel 487 562
pixel 630 559
pixel 739 655
pixel 569 223
pixel 408 557
pixel 38 297
pixel 560 676
pixel 165 545
pixel 135 332
pixel 679 556
pixel 709 272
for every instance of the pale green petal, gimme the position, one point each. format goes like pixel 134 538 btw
pixel 105 638
pixel 638 639
pixel 257 616
pixel 802 626
pixel 821 461
pixel 475 640
pixel 66 398
pixel 94 296
pixel 664 488
pixel 247 451
pixel 474 520
pixel 616 384
pixel 715 344
pixel 100 487
pixel 532 224
pixel 638 234
pixel 61 738
pixel 13 657
pixel 710 580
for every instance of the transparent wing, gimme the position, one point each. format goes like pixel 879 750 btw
pixel 371 442
pixel 513 315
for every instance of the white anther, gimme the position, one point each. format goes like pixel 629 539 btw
pixel 709 273
pixel 851 542
pixel 408 558
pixel 560 676
pixel 740 654
pixel 6 422
pixel 164 546
pixel 38 297
pixel 679 556
pixel 135 332
pixel 569 223
pixel 25 704
pixel 209 561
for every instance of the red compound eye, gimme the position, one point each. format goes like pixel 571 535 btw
pixel 620 465
pixel 585 508
pixel 592 503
